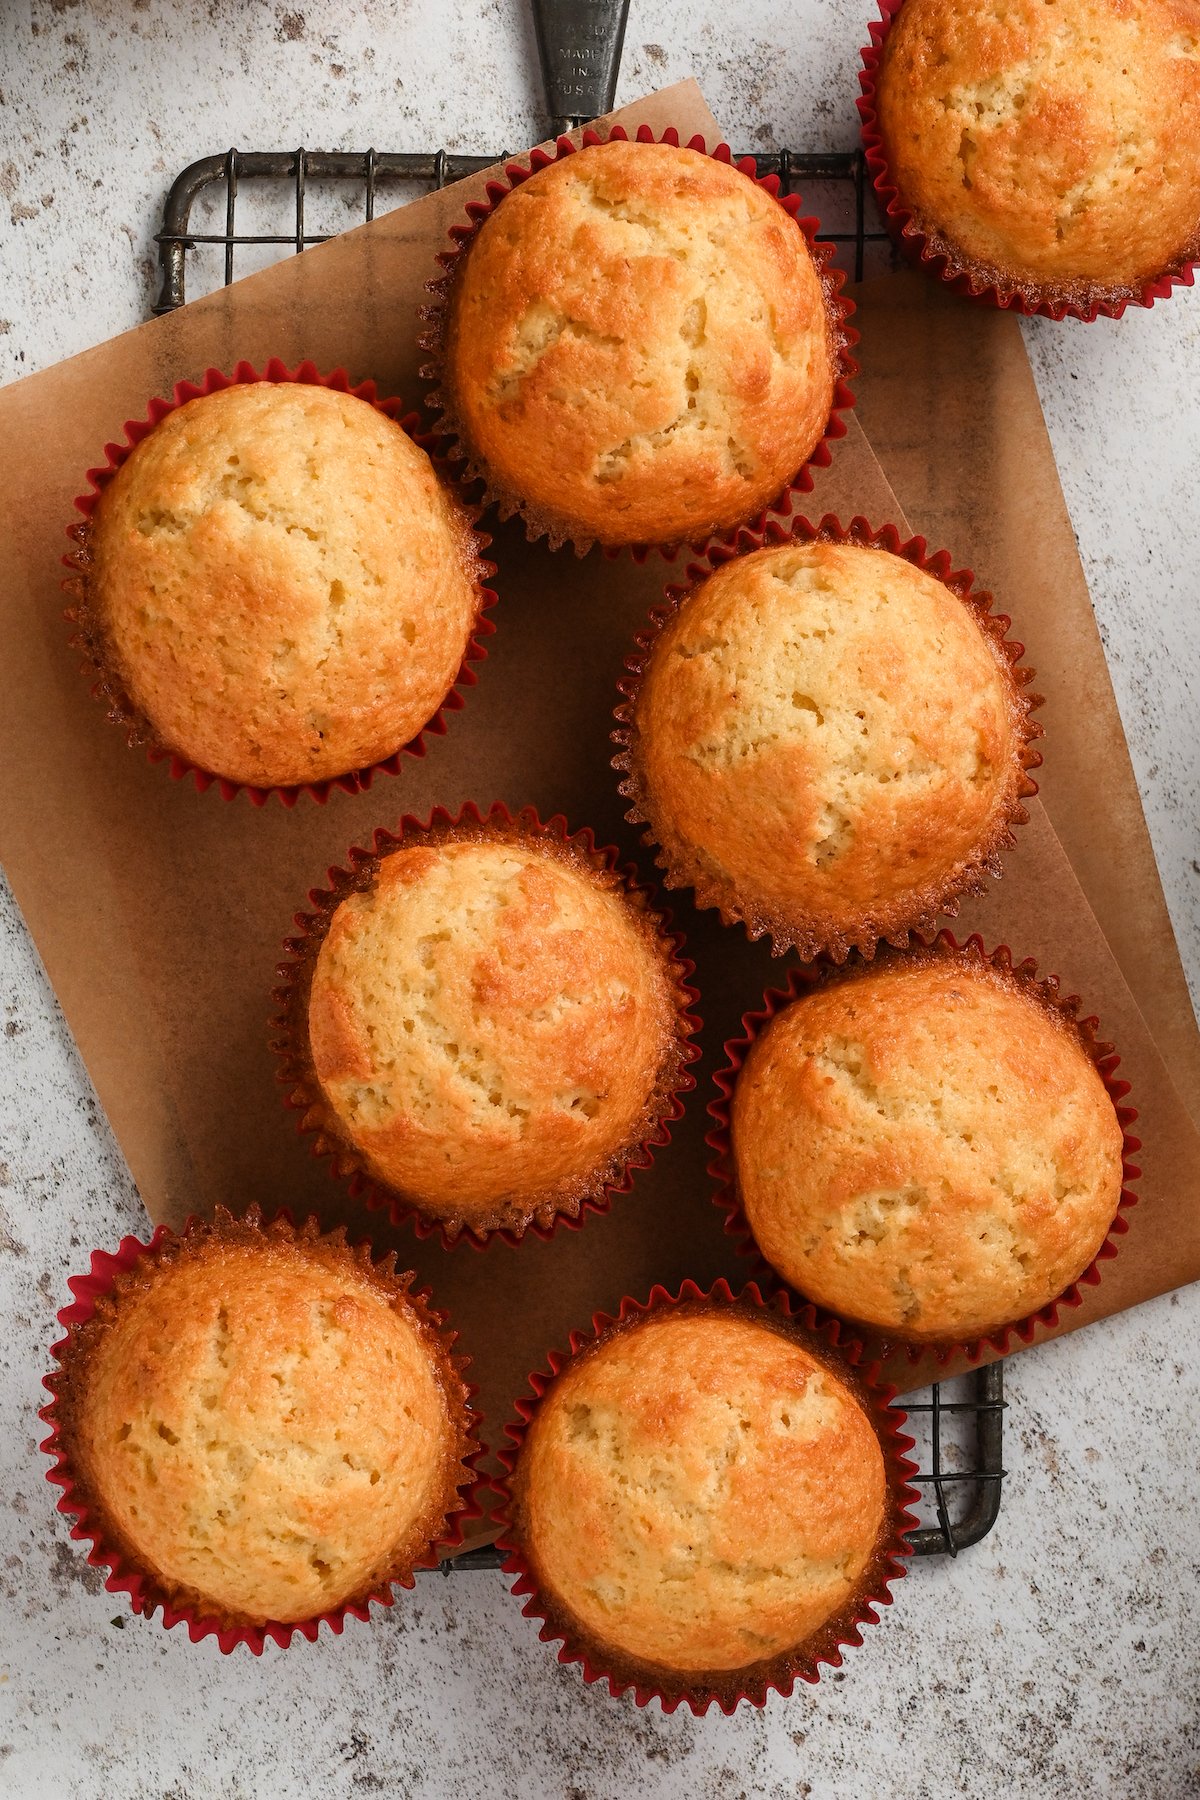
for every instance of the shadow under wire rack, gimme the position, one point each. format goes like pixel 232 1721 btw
pixel 290 200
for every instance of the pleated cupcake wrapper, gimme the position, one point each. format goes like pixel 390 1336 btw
pixel 88 638
pixel 144 1594
pixel 1043 989
pixel 827 1339
pixel 290 1040
pixel 933 254
pixel 971 878
pixel 474 473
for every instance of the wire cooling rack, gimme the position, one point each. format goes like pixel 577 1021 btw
pixel 200 218
pixel 287 198
pixel 959 1430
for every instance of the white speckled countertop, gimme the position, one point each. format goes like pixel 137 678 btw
pixel 1060 1655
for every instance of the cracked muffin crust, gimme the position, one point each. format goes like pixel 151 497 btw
pixel 279 584
pixel 829 743
pixel 925 1146
pixel 640 347
pixel 262 1421
pixel 699 1496
pixel 494 1024
pixel 1049 147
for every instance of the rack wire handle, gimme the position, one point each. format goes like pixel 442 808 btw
pixel 579 43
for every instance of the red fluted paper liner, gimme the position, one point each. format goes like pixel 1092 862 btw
pixel 920 912
pixel 937 257
pixel 290 1040
pixel 839 308
pixel 145 1594
pixel 88 638
pixel 826 1339
pixel 1045 990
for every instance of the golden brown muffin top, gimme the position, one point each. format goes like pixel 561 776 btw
pixel 640 347
pixel 1048 144
pixel 827 744
pixel 265 1424
pixel 926 1147
pixel 491 1022
pixel 700 1493
pixel 280 583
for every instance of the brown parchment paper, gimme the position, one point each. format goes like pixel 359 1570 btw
pixel 160 913
pixel 995 496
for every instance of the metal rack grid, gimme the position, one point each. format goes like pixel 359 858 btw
pixel 961 1470
pixel 959 1427
pixel 376 170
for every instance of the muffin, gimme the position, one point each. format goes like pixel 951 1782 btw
pixel 492 1024
pixel 277 587
pixel 639 346
pixel 925 1145
pixel 702 1503
pixel 1051 152
pixel 265 1424
pixel 828 742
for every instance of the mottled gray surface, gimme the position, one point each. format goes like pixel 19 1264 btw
pixel 1062 1654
